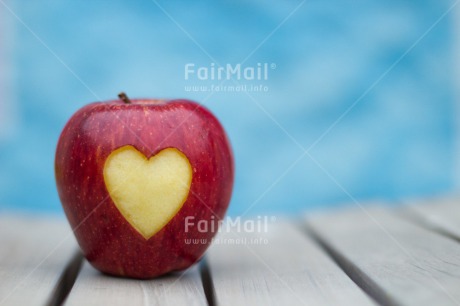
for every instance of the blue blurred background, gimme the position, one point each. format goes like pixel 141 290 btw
pixel 367 87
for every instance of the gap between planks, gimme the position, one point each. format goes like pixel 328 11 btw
pixel 438 214
pixel 66 280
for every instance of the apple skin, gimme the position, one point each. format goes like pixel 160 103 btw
pixel 106 238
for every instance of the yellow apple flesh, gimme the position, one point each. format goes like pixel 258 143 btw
pixel 148 192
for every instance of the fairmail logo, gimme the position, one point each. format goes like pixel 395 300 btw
pixel 239 225
pixel 237 72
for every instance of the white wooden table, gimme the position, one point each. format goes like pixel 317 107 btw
pixel 368 255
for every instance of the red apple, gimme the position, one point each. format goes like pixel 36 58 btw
pixel 136 176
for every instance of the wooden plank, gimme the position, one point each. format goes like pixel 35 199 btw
pixel 284 267
pixel 33 254
pixel 396 261
pixel 439 214
pixel 95 288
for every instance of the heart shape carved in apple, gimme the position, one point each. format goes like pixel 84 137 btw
pixel 148 192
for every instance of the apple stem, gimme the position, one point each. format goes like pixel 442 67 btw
pixel 124 98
